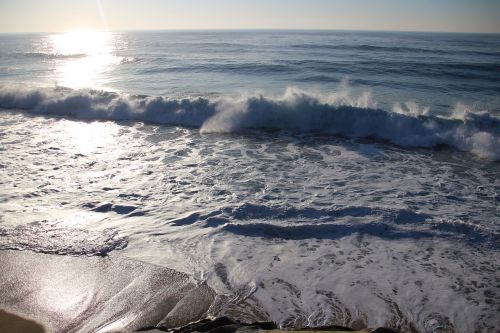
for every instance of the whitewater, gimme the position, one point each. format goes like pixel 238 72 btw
pixel 310 178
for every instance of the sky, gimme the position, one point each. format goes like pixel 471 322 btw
pixel 401 15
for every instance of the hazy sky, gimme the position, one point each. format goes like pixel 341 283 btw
pixel 415 15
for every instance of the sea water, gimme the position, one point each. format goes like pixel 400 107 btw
pixel 310 177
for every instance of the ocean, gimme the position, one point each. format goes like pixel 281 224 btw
pixel 310 178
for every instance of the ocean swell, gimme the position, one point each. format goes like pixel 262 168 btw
pixel 295 110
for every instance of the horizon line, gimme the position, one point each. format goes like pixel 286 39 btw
pixel 251 29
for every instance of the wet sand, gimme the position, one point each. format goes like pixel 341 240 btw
pixel 92 294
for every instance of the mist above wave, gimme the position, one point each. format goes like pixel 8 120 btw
pixel 337 113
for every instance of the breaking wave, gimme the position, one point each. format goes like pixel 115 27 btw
pixel 295 110
pixel 46 55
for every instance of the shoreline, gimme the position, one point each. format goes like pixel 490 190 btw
pixel 54 293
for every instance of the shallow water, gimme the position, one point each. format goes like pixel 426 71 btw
pixel 319 205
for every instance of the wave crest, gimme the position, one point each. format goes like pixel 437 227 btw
pixel 48 55
pixel 295 110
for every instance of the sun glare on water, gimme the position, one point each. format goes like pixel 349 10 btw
pixel 85 138
pixel 83 58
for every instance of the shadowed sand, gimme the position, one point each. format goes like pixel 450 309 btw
pixel 12 323
pixel 90 294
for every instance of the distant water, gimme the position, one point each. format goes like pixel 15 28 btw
pixel 315 177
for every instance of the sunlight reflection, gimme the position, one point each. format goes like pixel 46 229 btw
pixel 83 58
pixel 85 138
pixel 67 300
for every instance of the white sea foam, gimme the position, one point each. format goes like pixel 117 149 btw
pixel 46 237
